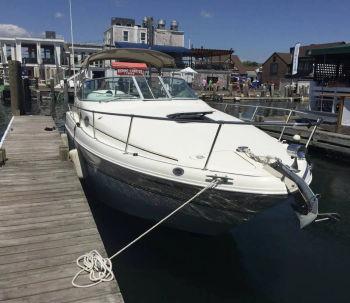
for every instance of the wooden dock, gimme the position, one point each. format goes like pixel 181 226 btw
pixel 45 221
pixel 325 140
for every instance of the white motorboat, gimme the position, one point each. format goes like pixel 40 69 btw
pixel 148 144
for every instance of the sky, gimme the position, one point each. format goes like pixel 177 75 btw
pixel 254 29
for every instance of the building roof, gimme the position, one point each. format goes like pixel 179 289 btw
pixel 85 45
pixel 305 50
pixel 286 57
pixel 238 65
pixel 32 39
pixel 336 50
pixel 209 52
pixel 173 50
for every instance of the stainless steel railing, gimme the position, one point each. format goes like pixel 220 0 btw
pixel 257 107
pixel 220 124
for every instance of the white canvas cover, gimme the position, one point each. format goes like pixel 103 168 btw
pixel 188 70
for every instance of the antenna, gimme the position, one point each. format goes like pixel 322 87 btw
pixel 71 36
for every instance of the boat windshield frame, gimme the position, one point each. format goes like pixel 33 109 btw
pixel 147 89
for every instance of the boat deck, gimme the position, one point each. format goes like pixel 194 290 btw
pixel 45 221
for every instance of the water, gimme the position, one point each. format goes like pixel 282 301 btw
pixel 5 117
pixel 267 260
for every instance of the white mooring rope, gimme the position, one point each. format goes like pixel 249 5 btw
pixel 100 269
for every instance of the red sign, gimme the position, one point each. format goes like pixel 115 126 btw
pixel 130 72
pixel 129 68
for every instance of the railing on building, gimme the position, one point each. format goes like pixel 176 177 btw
pixel 327 99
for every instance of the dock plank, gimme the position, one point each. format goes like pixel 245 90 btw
pixel 45 221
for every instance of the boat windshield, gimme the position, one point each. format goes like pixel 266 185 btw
pixel 110 89
pixel 126 88
pixel 123 88
pixel 152 88
pixel 179 89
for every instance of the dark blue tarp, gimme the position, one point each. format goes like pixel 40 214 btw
pixel 173 50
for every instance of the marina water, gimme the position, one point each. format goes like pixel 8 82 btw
pixel 267 260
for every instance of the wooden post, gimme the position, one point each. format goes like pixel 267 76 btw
pixel 16 87
pixel 52 91
pixel 27 96
pixel 65 91
pixel 2 156
pixel 340 113
pixel 63 149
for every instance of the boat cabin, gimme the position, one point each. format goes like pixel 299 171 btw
pixel 132 80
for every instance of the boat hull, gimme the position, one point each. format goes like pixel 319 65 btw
pixel 153 198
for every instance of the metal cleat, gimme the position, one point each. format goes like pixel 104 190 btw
pixel 222 179
pixel 334 217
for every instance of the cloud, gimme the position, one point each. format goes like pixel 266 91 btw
pixel 119 3
pixel 206 14
pixel 11 30
pixel 58 15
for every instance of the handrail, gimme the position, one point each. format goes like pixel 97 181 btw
pixel 284 128
pixel 253 123
pixel 261 106
pixel 219 122
pixel 291 111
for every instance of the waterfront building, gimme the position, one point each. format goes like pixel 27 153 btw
pixel 330 89
pixel 46 57
pixel 51 57
pixel 40 57
pixel 126 30
pixel 278 67
pixel 239 68
pixel 306 62
pixel 81 51
pixel 275 68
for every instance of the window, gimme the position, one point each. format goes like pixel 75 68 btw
pixel 47 54
pixel 8 52
pixel 29 53
pixel 143 37
pixel 125 36
pixel 273 68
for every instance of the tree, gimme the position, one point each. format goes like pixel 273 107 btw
pixel 251 64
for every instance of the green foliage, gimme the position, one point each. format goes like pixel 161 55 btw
pixel 251 64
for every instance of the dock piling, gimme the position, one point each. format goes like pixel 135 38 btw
pixel 16 88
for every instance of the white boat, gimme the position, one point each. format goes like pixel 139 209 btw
pixel 148 144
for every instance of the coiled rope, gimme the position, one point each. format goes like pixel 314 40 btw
pixel 99 268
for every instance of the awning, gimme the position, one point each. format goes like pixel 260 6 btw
pixel 175 51
pixel 150 57
pixel 336 50
pixel 129 65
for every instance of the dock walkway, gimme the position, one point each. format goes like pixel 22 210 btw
pixel 45 221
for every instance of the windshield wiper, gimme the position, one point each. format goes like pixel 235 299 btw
pixel 189 115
